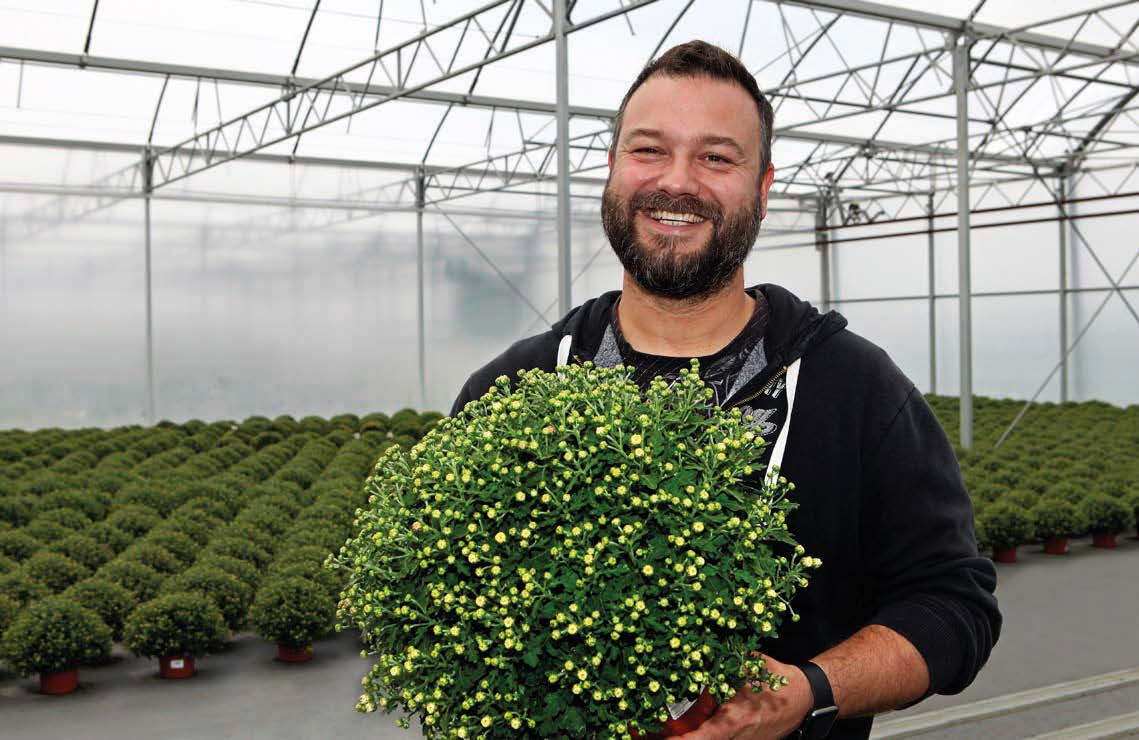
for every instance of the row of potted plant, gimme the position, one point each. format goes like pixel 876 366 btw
pixel 1040 486
pixel 296 602
pixel 1006 525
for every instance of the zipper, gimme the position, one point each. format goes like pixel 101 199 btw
pixel 766 386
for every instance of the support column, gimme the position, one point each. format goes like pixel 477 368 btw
pixel 561 52
pixel 148 188
pixel 1072 387
pixel 931 262
pixel 1062 193
pixel 961 85
pixel 420 201
pixel 822 244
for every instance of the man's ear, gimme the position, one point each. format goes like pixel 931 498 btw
pixel 764 186
pixel 610 158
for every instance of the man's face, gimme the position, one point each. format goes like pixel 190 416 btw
pixel 685 195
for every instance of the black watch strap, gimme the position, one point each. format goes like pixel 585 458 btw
pixel 819 721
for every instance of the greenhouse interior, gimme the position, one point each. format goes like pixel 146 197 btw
pixel 252 249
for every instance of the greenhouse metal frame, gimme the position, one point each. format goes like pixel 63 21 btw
pixel 971 89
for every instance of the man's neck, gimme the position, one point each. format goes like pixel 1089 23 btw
pixel 683 328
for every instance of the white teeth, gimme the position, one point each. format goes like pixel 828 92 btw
pixel 671 218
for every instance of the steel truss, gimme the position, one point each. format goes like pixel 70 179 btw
pixel 999 113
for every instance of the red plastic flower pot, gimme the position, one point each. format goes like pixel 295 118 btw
pixel 1056 545
pixel 1004 554
pixel 176 666
pixel 59 682
pixel 293 655
pixel 695 716
pixel 1103 539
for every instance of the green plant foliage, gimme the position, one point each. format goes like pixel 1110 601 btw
pixel 9 608
pixel 92 504
pixel 55 634
pixel 659 462
pixel 110 600
pixel 405 441
pixel 987 492
pixel 162 498
pixel 83 549
pixel 292 611
pixel 318 534
pixel 266 517
pixel 22 588
pixel 1056 518
pixel 134 519
pixel 240 548
pixel 228 592
pixel 1118 485
pixel 45 530
pixel 71 519
pixel 333 582
pixel 109 535
pixel 1021 497
pixel 314 424
pixel 141 580
pixel 174 541
pixel 1007 525
pixel 181 624
pixel 1106 515
pixel 17 544
pixel 1068 491
pixel 153 556
pixel 7 564
pixel 54 570
pixel 17 510
pixel 243 570
pixel 262 538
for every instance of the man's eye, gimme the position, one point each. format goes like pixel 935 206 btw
pixel 646 150
pixel 718 159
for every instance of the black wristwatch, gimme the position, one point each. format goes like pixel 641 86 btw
pixel 819 721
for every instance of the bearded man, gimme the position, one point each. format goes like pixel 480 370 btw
pixel 902 606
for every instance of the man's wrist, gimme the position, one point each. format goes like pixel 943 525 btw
pixel 821 716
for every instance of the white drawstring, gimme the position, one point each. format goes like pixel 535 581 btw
pixel 781 441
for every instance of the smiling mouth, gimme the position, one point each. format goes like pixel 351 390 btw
pixel 673 218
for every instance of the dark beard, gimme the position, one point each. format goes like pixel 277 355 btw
pixel 659 269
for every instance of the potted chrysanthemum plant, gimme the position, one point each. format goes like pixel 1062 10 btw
pixel 569 557
pixel 54 637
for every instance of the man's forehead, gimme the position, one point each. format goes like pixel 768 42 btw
pixel 665 104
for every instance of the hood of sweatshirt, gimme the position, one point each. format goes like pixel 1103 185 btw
pixel 794 328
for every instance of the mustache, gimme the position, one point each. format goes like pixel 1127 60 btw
pixel 661 201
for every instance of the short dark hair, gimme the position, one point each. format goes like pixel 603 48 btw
pixel 701 59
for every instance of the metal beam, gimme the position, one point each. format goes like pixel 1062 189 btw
pixel 948 24
pixel 822 246
pixel 561 64
pixel 373 90
pixel 965 339
pixel 278 81
pixel 298 112
pixel 148 171
pixel 420 289
pixel 1062 295
pixel 931 265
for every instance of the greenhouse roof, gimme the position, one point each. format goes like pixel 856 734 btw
pixel 864 93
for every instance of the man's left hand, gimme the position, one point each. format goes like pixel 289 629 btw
pixel 760 716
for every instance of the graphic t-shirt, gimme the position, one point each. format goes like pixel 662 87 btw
pixel 725 372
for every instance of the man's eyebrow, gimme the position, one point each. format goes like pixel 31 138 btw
pixel 706 140
pixel 721 141
pixel 651 133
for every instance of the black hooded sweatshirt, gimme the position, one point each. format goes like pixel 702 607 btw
pixel 880 495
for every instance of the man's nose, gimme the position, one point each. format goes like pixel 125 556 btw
pixel 678 177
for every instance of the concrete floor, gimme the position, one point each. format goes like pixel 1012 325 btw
pixel 1066 617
